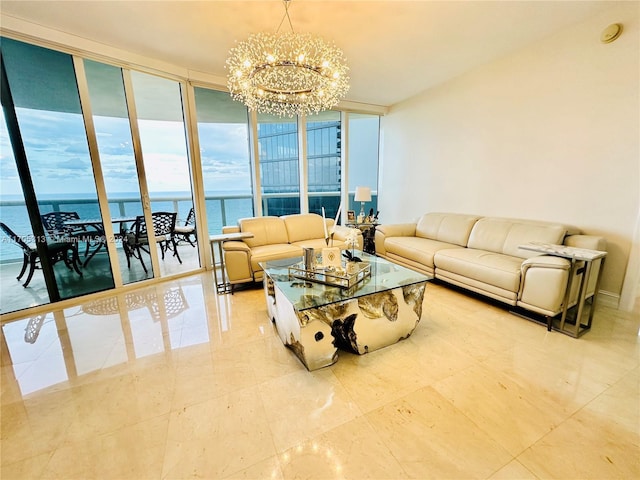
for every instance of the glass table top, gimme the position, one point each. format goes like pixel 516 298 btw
pixel 304 294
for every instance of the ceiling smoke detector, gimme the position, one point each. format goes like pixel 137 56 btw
pixel 610 33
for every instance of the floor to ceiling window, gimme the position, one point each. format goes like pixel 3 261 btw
pixel 279 165
pixel 223 134
pixel 364 136
pixel 46 103
pixel 324 170
pixel 162 131
pixel 15 219
pixel 113 135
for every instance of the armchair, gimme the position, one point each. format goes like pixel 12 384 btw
pixel 64 251
pixel 188 230
pixel 56 226
pixel 137 240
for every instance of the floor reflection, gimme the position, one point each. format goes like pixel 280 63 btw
pixel 103 333
pixel 174 381
pixel 96 277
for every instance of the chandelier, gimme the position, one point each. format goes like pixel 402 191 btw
pixel 287 74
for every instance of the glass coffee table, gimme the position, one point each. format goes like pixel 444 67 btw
pixel 314 319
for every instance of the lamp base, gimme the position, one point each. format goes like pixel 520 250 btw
pixel 361 214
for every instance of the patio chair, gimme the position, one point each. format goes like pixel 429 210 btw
pixel 65 251
pixel 57 227
pixel 137 240
pixel 188 230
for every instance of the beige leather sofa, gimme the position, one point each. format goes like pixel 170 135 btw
pixel 276 238
pixel 482 254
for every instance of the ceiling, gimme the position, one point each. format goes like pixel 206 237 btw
pixel 395 49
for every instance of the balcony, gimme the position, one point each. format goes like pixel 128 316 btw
pixel 97 276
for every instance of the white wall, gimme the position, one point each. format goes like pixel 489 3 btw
pixel 550 132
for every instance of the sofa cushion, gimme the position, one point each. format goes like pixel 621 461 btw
pixel 266 230
pixel 496 269
pixel 273 252
pixel 416 249
pixel 503 235
pixel 304 226
pixel 446 227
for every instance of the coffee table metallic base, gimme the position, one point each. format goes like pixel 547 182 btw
pixel 359 325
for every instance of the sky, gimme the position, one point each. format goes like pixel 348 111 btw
pixel 57 149
pixel 59 160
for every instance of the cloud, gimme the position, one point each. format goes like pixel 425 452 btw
pixel 56 146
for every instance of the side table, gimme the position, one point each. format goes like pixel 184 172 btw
pixel 368 235
pixel 576 256
pixel 224 286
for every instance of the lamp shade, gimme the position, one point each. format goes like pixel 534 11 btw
pixel 363 194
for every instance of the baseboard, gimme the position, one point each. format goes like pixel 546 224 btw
pixel 608 299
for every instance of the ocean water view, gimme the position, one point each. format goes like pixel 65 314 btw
pixel 224 208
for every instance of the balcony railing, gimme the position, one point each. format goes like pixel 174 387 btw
pixel 220 210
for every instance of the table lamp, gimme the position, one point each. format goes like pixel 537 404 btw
pixel 363 194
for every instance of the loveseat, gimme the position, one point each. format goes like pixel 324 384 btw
pixel 482 254
pixel 276 238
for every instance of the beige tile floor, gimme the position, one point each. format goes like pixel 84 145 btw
pixel 188 384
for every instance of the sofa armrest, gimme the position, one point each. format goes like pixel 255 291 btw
pixel 230 229
pixel 392 230
pixel 544 283
pixel 397 230
pixel 591 242
pixel 544 261
pixel 236 246
pixel 340 232
pixel 237 260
